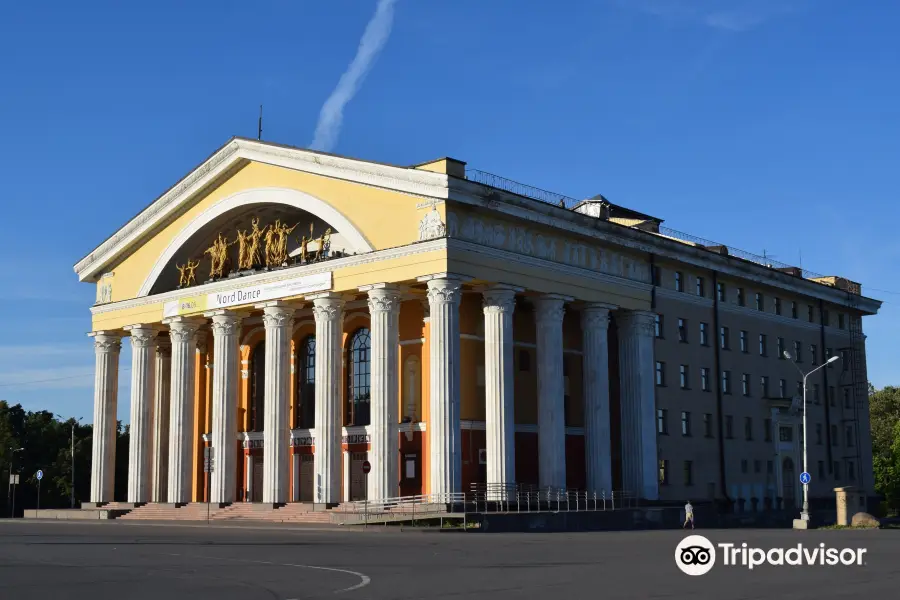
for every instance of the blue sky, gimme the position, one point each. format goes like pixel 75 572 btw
pixel 765 124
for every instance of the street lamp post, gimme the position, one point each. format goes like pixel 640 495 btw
pixel 12 461
pixel 804 513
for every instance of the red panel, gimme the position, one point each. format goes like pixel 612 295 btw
pixel 527 458
pixel 575 473
pixel 473 471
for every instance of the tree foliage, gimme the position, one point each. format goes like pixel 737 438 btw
pixel 46 444
pixel 884 416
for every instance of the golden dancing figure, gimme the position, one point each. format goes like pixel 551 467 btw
pixel 271 238
pixel 304 243
pixel 182 274
pixel 191 268
pixel 253 252
pixel 243 241
pixel 282 234
pixel 218 256
pixel 324 244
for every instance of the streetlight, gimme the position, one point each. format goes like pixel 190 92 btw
pixel 72 491
pixel 804 513
pixel 12 460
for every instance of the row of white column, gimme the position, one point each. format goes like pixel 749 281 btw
pixel 162 391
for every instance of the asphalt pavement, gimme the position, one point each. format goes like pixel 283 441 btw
pixel 123 561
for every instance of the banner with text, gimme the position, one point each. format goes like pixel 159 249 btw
pixel 251 294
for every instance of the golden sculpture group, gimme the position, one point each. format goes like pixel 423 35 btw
pixel 250 254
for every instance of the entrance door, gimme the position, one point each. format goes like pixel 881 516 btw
pixel 256 491
pixel 357 477
pixel 306 477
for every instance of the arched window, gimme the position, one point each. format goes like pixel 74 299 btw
pixel 257 387
pixel 360 362
pixel 306 383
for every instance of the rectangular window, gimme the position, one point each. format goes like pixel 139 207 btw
pixel 849 436
pixel 764 386
pixel 793 309
pixel 660 373
pixel 745 384
pixel 809 312
pixel 658 326
pixel 723 337
pixel 780 347
pixel 704 379
pixel 740 296
pixel 837 470
pixel 798 352
pixel 743 465
pixel 785 434
pixel 707 425
pixel 748 428
pixel 688 472
pixel 851 470
pixel 682 330
pixel 782 388
pixel 679 281
pixel 760 302
pixel 777 305
pixel 763 345
pixel 704 334
pixel 767 426
pixel 745 341
pixel 813 354
pixel 835 440
pixel 816 393
pixel 841 322
pixel 757 466
pixel 701 287
pixel 819 434
pixel 663 472
pixel 821 469
pixel 662 418
pixel 729 427
pixel 726 382
pixel 684 377
pixel 720 290
pixel 685 423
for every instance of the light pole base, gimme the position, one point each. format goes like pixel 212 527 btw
pixel 801 524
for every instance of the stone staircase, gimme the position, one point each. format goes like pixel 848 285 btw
pixel 194 511
pixel 238 511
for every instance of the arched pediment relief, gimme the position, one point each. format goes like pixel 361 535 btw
pixel 306 214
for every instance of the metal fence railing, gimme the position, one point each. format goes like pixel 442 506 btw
pixel 494 498
pixel 401 507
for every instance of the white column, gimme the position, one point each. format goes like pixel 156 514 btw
pixel 499 303
pixel 248 477
pixel 445 453
pixel 384 312
pixel 296 466
pixel 638 403
pixel 328 310
pixel 279 322
pixel 106 392
pixel 345 463
pixel 162 388
pixel 226 328
pixel 143 383
pixel 549 312
pixel 183 335
pixel 595 361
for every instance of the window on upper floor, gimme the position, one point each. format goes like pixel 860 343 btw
pixel 785 434
pixel 688 472
pixel 707 425
pixel 729 427
pixel 720 291
pixel 745 341
pixel 701 286
pixel 809 313
pixel 723 338
pixel 780 347
pixel 819 434
pixel 763 343
pixel 662 421
pixel 704 334
pixel 849 436
pixel 685 423
pixel 816 394
pixel 782 388
pixel 663 472
pixel 704 379
pixel 726 382
pixel 740 296
pixel 851 470
pixel 847 398
pixel 744 465
pixel 656 275
pixel 835 440
pixel 764 386
pixel 760 301
pixel 837 470
pixel 813 354
pixel 684 377
pixel 767 427
pixel 748 428
pixel 777 305
pixel 745 384
pixel 658 326
pixel 679 281
pixel 798 352
pixel 831 401
pixel 682 331
pixel 793 309
pixel 826 318
pixel 840 320
pixel 660 373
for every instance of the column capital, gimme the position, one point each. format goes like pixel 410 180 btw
pixel 499 298
pixel 106 341
pixel 142 336
pixel 596 315
pixel 550 307
pixel 444 291
pixel 182 328
pixel 643 321
pixel 277 314
pixel 328 306
pixel 225 322
pixel 384 299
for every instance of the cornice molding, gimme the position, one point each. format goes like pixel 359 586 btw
pixel 425 184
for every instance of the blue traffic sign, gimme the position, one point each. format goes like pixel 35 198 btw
pixel 40 475
pixel 805 478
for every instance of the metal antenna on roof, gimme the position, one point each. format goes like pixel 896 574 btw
pixel 259 125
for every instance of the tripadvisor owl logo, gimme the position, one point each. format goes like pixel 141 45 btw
pixel 696 555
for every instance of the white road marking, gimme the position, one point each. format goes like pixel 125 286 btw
pixel 364 580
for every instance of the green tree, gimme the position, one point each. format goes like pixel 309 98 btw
pixel 884 417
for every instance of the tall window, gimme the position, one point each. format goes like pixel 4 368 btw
pixel 798 352
pixel 720 290
pixel 257 387
pixel 841 322
pixel 689 473
pixel 835 440
pixel 781 348
pixel 767 429
pixel 726 382
pixel 701 287
pixel 658 326
pixel 663 472
pixel 685 423
pixel 849 436
pixel 729 427
pixel 818 434
pixel 745 384
pixel 679 281
pixel 764 386
pixel 748 428
pixel 660 373
pixel 704 334
pixel 777 305
pixel 306 383
pixel 813 354
pixel 662 421
pixel 745 341
pixel 723 337
pixel 682 330
pixel 704 379
pixel 763 350
pixel 793 309
pixel 740 296
pixel 782 388
pixel 760 305
pixel 360 368
pixel 684 377
pixel 809 312
pixel 707 425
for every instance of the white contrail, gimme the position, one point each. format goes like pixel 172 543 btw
pixel 373 40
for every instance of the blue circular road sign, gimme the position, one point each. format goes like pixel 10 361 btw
pixel 40 474
pixel 805 478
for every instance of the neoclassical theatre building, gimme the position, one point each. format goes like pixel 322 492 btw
pixel 293 314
